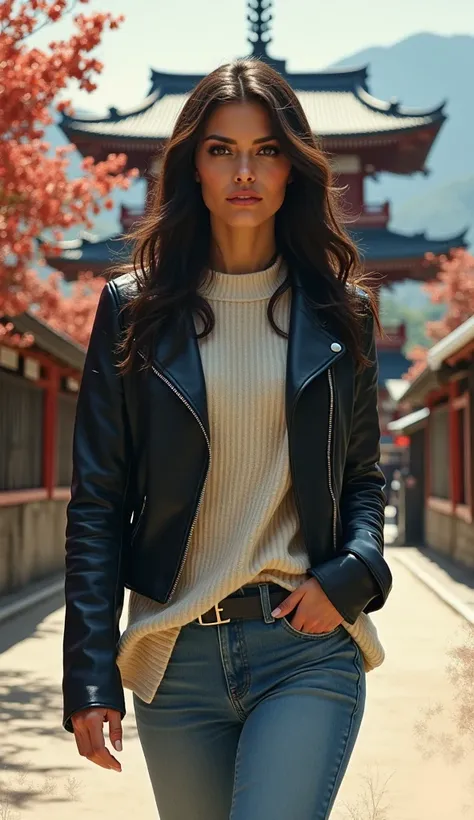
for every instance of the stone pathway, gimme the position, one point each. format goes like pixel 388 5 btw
pixel 455 583
pixel 44 778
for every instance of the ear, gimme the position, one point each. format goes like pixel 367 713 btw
pixel 197 177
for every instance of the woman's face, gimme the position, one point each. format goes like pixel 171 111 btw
pixel 239 154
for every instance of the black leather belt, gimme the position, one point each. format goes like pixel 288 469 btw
pixel 248 606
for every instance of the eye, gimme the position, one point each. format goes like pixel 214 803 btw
pixel 216 149
pixel 273 148
pixel 222 150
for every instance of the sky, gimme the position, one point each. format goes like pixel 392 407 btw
pixel 187 36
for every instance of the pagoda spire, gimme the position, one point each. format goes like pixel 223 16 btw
pixel 259 18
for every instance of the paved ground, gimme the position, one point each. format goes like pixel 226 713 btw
pixel 44 778
pixel 453 582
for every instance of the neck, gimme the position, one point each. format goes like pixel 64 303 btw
pixel 242 250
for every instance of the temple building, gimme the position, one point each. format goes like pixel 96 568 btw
pixel 362 135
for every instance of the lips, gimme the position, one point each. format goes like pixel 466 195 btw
pixel 244 196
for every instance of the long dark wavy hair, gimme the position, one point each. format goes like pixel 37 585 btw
pixel 171 243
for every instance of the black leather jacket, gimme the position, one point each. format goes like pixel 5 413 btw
pixel 141 456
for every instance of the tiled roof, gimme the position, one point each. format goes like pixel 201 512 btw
pixel 381 243
pixel 88 250
pixel 374 244
pixel 392 365
pixel 49 340
pixel 336 103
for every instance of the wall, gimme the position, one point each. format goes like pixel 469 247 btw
pixel 465 543
pixel 450 536
pixel 32 538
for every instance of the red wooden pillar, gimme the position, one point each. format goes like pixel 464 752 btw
pixel 353 197
pixel 50 424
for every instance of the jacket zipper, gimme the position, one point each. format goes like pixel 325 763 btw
pixel 329 456
pixel 186 403
pixel 329 450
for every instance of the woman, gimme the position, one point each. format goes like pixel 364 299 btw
pixel 225 471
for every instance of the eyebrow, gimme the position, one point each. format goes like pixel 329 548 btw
pixel 234 142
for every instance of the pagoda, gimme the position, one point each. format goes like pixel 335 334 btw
pixel 362 136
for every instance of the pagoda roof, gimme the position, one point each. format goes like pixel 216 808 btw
pixel 392 365
pixel 337 103
pixel 375 245
pixel 88 249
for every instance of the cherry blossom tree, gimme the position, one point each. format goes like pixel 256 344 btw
pixel 453 287
pixel 37 198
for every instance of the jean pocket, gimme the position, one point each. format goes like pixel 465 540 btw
pixel 311 636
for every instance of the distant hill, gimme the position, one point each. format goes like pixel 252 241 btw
pixel 422 71
pixel 443 211
pixel 409 304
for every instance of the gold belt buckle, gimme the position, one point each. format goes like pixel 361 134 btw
pixel 218 610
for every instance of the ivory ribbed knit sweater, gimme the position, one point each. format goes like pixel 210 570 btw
pixel 247 529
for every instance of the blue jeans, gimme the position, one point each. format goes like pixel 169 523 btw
pixel 253 721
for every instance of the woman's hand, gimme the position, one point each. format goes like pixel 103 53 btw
pixel 89 734
pixel 314 611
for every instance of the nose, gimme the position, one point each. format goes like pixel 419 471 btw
pixel 244 174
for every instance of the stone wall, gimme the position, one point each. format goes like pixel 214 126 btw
pixel 465 543
pixel 451 536
pixel 32 538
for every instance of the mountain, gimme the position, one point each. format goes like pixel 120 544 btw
pixel 443 211
pixel 423 71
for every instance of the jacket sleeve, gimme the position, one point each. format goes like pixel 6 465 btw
pixel 95 527
pixel 358 579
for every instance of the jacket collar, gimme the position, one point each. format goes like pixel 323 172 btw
pixel 312 349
